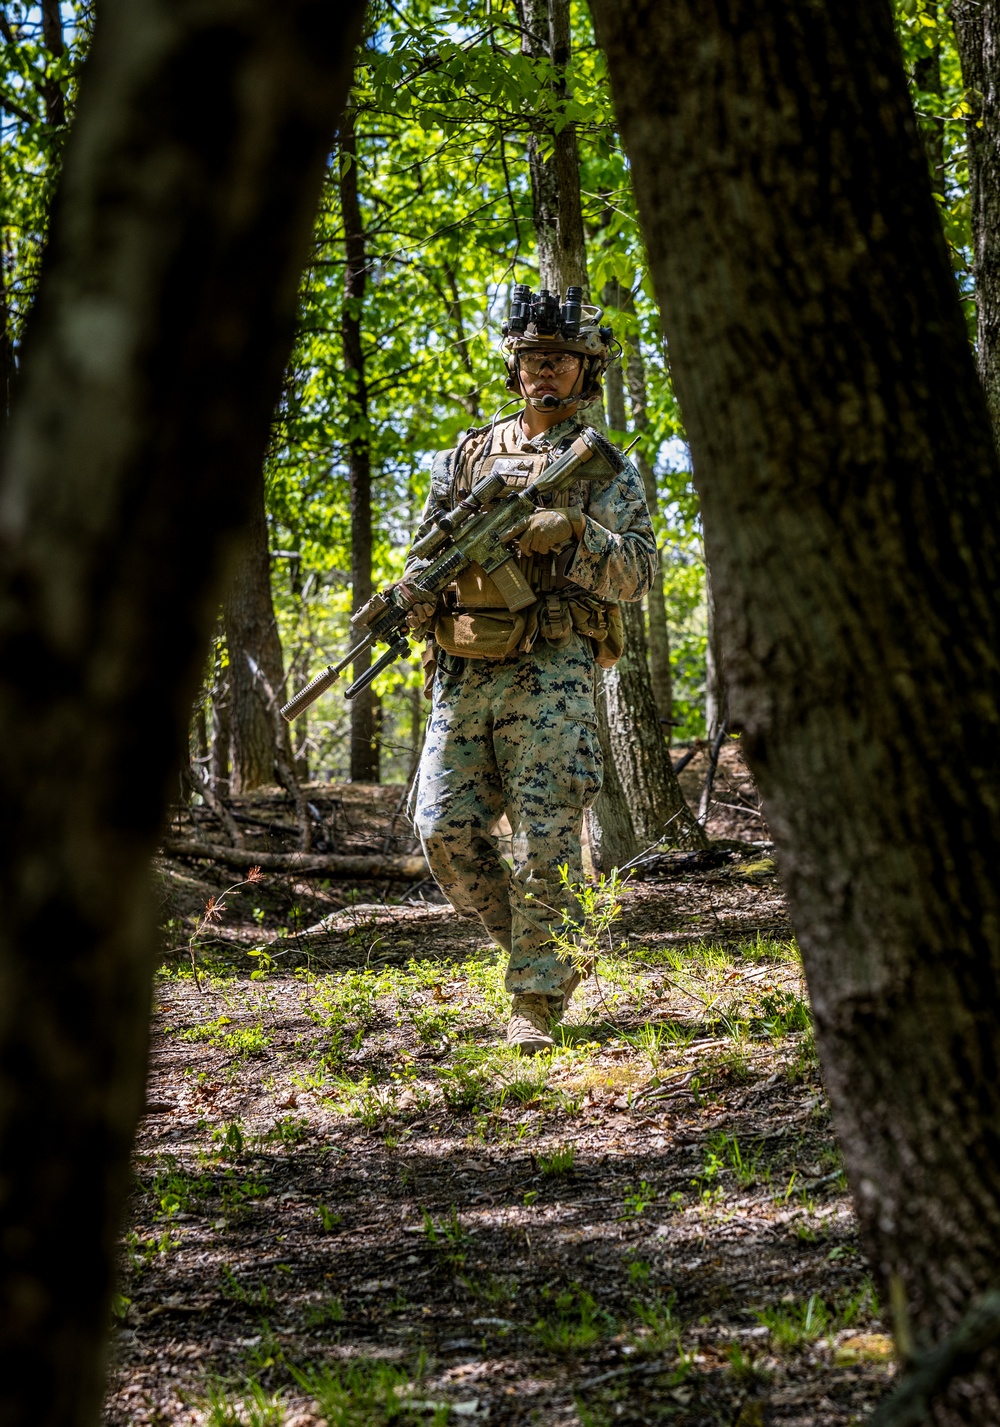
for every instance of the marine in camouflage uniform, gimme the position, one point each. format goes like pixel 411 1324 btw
pixel 513 727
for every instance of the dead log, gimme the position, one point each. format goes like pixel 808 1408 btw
pixel 366 866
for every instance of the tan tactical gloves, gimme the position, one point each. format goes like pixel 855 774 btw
pixel 548 529
pixel 420 616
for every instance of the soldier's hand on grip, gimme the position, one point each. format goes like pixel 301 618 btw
pixel 545 531
pixel 421 615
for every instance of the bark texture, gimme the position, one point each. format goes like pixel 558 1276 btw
pixel 620 298
pixel 660 672
pixel 977 29
pixel 219 747
pixel 848 474
pixel 364 710
pixel 651 788
pixel 650 784
pixel 555 182
pixel 716 702
pixel 253 640
pixel 152 364
pixel 52 36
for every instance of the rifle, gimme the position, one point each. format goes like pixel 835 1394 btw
pixel 476 531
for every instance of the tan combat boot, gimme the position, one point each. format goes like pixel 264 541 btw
pixel 528 1030
pixel 558 1005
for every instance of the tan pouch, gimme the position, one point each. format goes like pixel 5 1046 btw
pixel 428 667
pixel 479 634
pixel 601 622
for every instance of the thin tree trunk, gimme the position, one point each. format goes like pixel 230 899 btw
pixel 927 75
pixel 659 810
pixel 453 304
pixel 659 635
pixel 716 703
pixel 650 785
pixel 854 538
pixel 152 363
pixel 219 749
pixel 555 181
pixel 52 36
pixel 201 736
pixel 977 30
pixel 252 635
pixel 660 671
pixel 8 367
pixel 364 739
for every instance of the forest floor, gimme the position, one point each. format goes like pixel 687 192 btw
pixel 353 1205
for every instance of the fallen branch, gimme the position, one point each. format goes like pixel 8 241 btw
pixel 645 1369
pixel 692 752
pixel 740 808
pixel 363 866
pixel 930 1374
pixel 202 781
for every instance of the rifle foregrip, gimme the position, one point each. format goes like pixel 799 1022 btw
pixel 400 645
pixel 311 692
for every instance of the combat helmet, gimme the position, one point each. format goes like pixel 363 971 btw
pixel 540 321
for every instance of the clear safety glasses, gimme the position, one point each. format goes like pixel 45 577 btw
pixel 558 363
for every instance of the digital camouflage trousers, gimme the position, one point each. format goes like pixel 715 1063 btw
pixel 515 736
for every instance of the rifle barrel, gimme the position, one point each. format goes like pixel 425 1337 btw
pixel 319 685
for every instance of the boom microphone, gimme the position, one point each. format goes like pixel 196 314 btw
pixel 549 402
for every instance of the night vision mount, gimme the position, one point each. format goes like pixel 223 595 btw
pixel 541 314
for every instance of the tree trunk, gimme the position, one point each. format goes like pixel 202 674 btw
pixel 977 29
pixel 8 366
pixel 645 770
pixel 659 810
pixel 252 635
pixel 610 829
pixel 221 743
pixel 716 703
pixel 364 717
pixel 848 475
pixel 555 182
pixel 51 89
pixel 152 364
pixel 453 306
pixel 660 672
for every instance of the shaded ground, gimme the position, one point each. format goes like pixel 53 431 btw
pixel 354 1206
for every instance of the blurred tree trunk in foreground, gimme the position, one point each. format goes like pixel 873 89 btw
pixel 977 29
pixel 152 366
pixel 849 481
pixel 252 635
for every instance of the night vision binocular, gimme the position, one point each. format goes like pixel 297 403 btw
pixel 544 312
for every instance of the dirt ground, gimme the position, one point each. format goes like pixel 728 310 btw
pixel 354 1206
